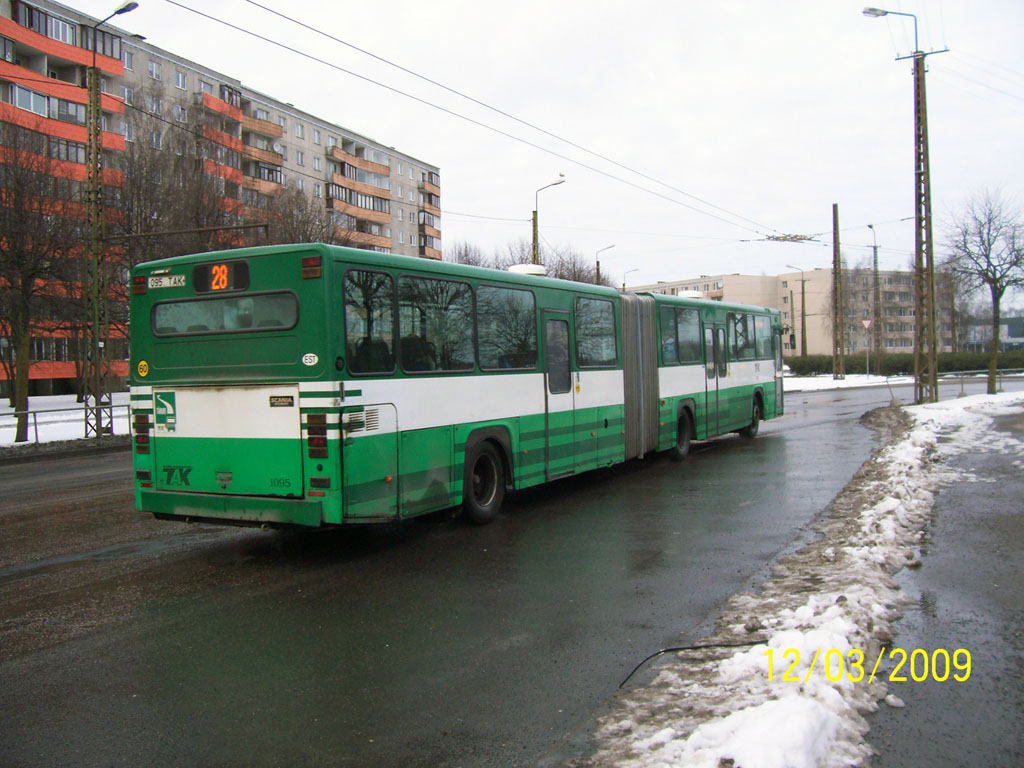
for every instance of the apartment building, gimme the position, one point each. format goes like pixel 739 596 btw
pixel 255 147
pixel 805 301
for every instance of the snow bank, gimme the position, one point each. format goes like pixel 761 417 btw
pixel 823 620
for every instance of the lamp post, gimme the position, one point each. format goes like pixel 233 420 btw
pixel 598 261
pixel 94 217
pixel 803 311
pixel 925 321
pixel 634 269
pixel 536 247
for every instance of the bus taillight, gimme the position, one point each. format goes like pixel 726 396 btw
pixel 138 285
pixel 316 431
pixel 311 267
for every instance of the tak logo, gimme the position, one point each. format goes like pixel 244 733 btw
pixel 177 475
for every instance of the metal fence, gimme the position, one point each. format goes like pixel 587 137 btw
pixel 82 410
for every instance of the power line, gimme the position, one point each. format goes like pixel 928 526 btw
pixel 503 113
pixel 458 115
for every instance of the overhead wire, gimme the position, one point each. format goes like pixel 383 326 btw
pixel 459 115
pixel 504 113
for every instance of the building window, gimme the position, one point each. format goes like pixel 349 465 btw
pixel 318 190
pixel 332 141
pixel 300 157
pixel 316 136
pixel 316 162
pixel 300 184
pixel 154 105
pixel 154 70
pixel 181 80
pixel 300 130
pixel 180 113
pixel 128 95
pixel 23 98
pixel 129 60
pixel 262 114
pixel 155 139
pixel 129 131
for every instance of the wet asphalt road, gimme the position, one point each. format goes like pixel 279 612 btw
pixel 127 641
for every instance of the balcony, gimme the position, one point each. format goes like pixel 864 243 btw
pixel 337 153
pixel 264 186
pixel 262 155
pixel 380 217
pixel 261 126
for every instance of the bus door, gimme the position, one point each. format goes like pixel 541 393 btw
pixel 559 398
pixel 716 371
pixel 369 463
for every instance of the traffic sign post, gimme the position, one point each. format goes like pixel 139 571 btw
pixel 866 322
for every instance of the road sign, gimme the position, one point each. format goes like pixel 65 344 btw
pixel 866 323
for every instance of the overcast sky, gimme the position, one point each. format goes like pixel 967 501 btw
pixel 756 116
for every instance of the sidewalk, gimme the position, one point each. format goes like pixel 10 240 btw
pixel 967 594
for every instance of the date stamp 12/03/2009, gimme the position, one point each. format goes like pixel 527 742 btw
pixel 939 665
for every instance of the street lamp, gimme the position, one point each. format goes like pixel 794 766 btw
pixel 634 269
pixel 803 310
pixel 926 386
pixel 598 253
pixel 94 216
pixel 536 247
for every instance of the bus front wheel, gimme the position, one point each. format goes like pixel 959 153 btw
pixel 483 484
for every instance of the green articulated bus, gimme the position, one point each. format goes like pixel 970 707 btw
pixel 314 385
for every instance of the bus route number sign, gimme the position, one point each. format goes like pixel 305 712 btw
pixel 220 276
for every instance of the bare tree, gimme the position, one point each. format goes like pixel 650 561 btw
pixel 986 244
pixel 295 217
pixel 466 253
pixel 40 222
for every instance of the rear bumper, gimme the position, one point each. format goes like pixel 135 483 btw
pixel 232 510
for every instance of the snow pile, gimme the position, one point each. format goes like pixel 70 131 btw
pixel 822 622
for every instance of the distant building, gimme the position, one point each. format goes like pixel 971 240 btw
pixel 785 293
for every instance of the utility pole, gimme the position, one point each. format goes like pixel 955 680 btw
pixel 926 388
pixel 98 414
pixel 839 321
pixel 876 302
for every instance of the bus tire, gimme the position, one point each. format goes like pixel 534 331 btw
pixel 751 429
pixel 483 483
pixel 683 433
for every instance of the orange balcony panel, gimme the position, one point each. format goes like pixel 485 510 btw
pixel 380 217
pixel 426 230
pixel 224 171
pixel 261 185
pixel 341 155
pixel 363 238
pixel 358 186
pixel 430 253
pixel 432 188
pixel 222 107
pixel 72 53
pixel 231 205
pixel 432 209
pixel 261 126
pixel 263 155
pixel 219 137
pixel 67 91
pixel 70 131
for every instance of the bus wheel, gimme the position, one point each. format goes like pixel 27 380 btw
pixel 751 429
pixel 682 447
pixel 483 484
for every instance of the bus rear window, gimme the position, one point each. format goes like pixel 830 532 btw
pixel 237 314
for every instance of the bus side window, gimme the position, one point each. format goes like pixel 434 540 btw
pixel 669 348
pixel 709 351
pixel 369 321
pixel 688 335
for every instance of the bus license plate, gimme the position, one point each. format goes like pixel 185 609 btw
pixel 167 281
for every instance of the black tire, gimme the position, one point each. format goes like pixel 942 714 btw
pixel 683 432
pixel 483 483
pixel 752 429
